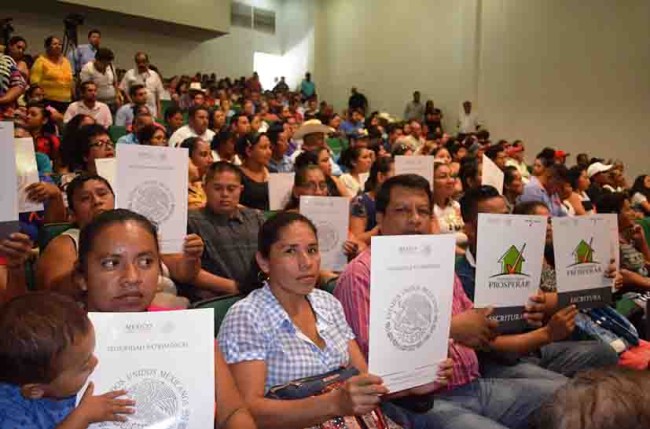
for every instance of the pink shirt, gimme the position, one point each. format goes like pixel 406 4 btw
pixel 353 290
pixel 100 112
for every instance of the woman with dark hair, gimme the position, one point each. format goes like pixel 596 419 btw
pixel 540 187
pixel 470 173
pixel 446 210
pixel 579 200
pixel 16 50
pixel 200 161
pixel 634 249
pixel 259 334
pixel 255 152
pixel 69 140
pixel 363 223
pixel 53 72
pixel 127 280
pixel 432 117
pixel 640 193
pixel 152 135
pixel 321 158
pixel 513 186
pixel 43 130
pixel 224 147
pixel 358 161
pixel 90 143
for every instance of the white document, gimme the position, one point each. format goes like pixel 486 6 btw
pixel 411 293
pixel 582 252
pixel 509 256
pixel 280 186
pixel 165 362
pixel 492 175
pixel 8 172
pixel 422 165
pixel 152 181
pixel 614 244
pixel 27 173
pixel 331 215
pixel 107 168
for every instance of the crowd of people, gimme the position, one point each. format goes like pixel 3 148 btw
pixel 287 326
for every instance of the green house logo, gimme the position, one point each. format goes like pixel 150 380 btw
pixel 584 253
pixel 512 261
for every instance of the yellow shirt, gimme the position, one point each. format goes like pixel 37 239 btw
pixel 55 79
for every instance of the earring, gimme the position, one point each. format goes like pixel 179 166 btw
pixel 262 277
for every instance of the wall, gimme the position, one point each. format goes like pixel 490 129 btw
pixel 563 73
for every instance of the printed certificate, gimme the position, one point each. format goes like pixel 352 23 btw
pixel 331 217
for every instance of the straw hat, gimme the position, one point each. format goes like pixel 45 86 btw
pixel 312 126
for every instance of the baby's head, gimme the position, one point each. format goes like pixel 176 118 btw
pixel 46 345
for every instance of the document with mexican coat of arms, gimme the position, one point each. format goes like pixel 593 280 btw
pixel 509 257
pixel 152 181
pixel 165 362
pixel 330 215
pixel 411 293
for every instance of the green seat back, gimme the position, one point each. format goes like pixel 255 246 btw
pixel 221 305
pixel 268 214
pixel 49 232
pixel 337 145
pixel 645 224
pixel 116 132
pixel 330 285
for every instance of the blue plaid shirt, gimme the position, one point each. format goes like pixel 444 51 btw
pixel 258 328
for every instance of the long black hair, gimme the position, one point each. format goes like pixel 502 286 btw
pixel 639 186
pixel 381 165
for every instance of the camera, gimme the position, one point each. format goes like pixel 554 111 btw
pixel 6 29
pixel 73 20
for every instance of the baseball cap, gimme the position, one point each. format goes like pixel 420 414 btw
pixel 559 154
pixel 597 167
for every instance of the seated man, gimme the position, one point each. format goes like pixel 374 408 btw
pixel 124 115
pixel 404 205
pixel 547 342
pixel 88 105
pixel 197 126
pixel 140 121
pixel 229 231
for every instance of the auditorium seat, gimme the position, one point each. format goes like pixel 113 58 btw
pixel 221 305
pixel 50 231
pixel 115 132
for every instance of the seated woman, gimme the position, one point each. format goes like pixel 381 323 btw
pixel 255 152
pixel 43 130
pixel 513 186
pixel 90 143
pixel 579 200
pixel 363 224
pixel 200 160
pixel 321 158
pixel 285 329
pixel 152 135
pixel 358 161
pixel 634 249
pixel 127 280
pixel 89 196
pixel 640 193
pixel 470 173
pixel 69 139
pixel 447 210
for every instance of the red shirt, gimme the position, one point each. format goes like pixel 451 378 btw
pixel 47 144
pixel 353 290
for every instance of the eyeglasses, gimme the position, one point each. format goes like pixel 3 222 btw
pixel 104 144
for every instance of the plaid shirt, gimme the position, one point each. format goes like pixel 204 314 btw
pixel 258 328
pixel 230 242
pixel 10 77
pixel 353 290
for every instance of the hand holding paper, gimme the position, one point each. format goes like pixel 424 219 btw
pixel 103 408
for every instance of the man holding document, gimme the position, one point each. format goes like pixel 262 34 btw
pixel 545 346
pixel 404 207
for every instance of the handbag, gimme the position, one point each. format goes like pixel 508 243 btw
pixel 320 384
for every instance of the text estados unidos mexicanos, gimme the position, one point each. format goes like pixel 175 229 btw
pixel 148 347
pixel 414 267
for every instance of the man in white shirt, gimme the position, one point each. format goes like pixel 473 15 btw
pixel 88 105
pixel 414 109
pixel 516 159
pixel 143 75
pixel 198 118
pixel 416 138
pixel 468 120
pixel 100 71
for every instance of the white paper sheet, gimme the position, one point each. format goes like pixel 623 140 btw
pixel 8 172
pixel 280 186
pixel 492 175
pixel 165 362
pixel 412 283
pixel 421 165
pixel 331 217
pixel 582 254
pixel 510 252
pixel 152 181
pixel 107 168
pixel 27 173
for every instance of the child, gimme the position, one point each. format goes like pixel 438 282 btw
pixel 46 357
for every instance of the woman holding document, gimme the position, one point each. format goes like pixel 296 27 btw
pixel 286 329
pixel 118 268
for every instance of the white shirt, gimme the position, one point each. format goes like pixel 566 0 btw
pixel 467 123
pixel 150 80
pixel 100 112
pixel 217 158
pixel 352 184
pixel 185 132
pixel 521 167
pixel 105 81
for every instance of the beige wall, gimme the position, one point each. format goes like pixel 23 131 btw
pixel 564 73
pixel 211 15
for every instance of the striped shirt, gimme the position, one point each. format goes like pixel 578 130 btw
pixel 258 328
pixel 353 290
